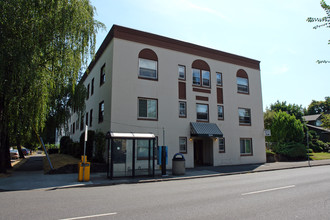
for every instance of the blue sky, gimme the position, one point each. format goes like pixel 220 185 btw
pixel 273 32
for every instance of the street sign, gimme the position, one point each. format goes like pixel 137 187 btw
pixel 267 133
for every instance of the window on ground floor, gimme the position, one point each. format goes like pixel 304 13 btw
pixel 222 148
pixel 246 146
pixel 183 144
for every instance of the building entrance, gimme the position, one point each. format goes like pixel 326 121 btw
pixel 203 152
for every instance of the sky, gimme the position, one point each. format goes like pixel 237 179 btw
pixel 274 32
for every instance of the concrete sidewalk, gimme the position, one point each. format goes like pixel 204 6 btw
pixel 21 180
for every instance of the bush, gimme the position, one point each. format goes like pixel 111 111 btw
pixel 99 147
pixel 65 143
pixel 75 150
pixel 53 151
pixel 292 150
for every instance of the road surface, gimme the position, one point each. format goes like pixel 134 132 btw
pixel 286 194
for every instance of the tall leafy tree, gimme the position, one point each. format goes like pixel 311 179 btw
pixel 318 107
pixel 326 120
pixel 44 44
pixel 291 109
pixel 325 22
pixel 286 128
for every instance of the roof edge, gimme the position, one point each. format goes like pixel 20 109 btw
pixel 137 36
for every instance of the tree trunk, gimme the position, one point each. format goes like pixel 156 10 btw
pixel 4 152
pixel 4 141
pixel 19 148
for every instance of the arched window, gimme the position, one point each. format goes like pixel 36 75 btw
pixel 148 64
pixel 242 82
pixel 201 73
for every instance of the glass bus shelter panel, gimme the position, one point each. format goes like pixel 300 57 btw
pixel 122 157
pixel 144 157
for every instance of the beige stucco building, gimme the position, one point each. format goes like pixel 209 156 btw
pixel 204 103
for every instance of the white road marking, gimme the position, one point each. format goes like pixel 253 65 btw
pixel 90 216
pixel 268 190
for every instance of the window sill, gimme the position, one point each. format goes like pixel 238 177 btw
pixel 246 155
pixel 146 78
pixel 244 124
pixel 243 93
pixel 206 121
pixel 148 119
pixel 222 152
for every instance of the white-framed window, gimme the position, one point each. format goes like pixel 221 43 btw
pixel 183 144
pixel 147 108
pixel 219 79
pixel 102 75
pixel 148 68
pixel 220 112
pixel 201 77
pixel 202 112
pixel 244 115
pixel 182 109
pixel 222 148
pixel 246 146
pixel 88 86
pixel 101 111
pixel 182 72
pixel 242 85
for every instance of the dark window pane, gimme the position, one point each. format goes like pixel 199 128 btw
pixel 143 112
pixel 206 78
pixel 196 77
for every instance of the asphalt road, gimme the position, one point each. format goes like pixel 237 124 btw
pixel 286 194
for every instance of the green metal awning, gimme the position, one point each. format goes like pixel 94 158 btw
pixel 198 129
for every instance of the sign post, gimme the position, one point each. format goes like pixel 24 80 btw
pixel 84 158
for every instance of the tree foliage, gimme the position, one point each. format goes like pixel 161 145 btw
pixel 44 43
pixel 286 128
pixel 318 107
pixel 325 120
pixel 325 22
pixel 291 109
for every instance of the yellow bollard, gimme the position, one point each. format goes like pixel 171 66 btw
pixel 84 169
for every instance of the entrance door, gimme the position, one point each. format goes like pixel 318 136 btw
pixel 198 153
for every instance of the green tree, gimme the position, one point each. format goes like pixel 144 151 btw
pixel 43 47
pixel 326 120
pixel 286 128
pixel 291 109
pixel 325 23
pixel 318 107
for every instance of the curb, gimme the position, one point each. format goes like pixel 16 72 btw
pixel 139 181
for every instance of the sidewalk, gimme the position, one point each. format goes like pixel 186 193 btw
pixel 21 180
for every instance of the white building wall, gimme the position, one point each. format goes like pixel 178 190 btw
pixel 127 87
pixel 122 88
pixel 101 93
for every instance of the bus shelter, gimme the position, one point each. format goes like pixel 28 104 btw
pixel 130 154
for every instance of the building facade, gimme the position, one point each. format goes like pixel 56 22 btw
pixel 204 103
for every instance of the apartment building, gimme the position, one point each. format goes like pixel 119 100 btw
pixel 204 103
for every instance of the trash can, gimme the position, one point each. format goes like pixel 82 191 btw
pixel 178 164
